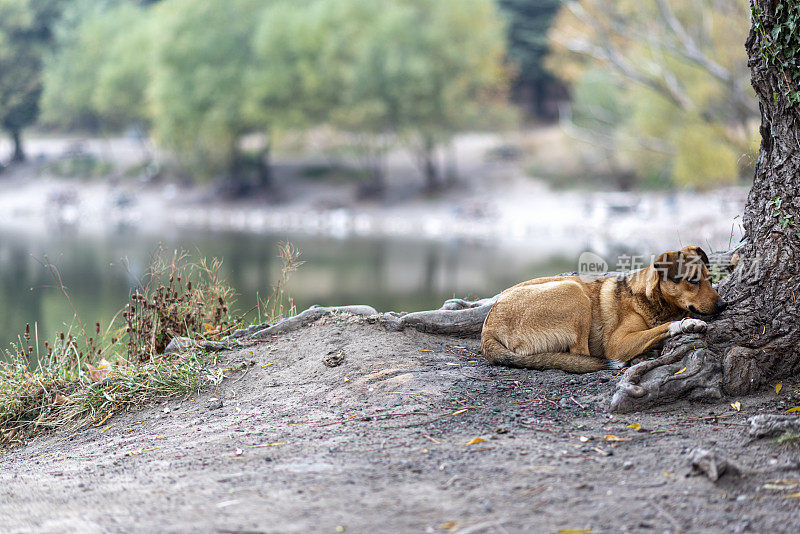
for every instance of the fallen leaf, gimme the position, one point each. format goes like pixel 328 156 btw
pixel 458 412
pixel 668 474
pixel 794 495
pixel 575 531
pixel 792 410
pixel 636 426
pixel 612 437
pixel 737 406
pixel 473 441
pixel 450 526
pixel 681 371
pixel 101 372
pixel 267 364
pixel 267 445
pixel 778 387
pixel 60 399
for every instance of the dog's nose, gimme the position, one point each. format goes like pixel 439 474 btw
pixel 720 305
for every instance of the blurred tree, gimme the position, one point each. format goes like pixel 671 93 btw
pixel 202 62
pixel 25 33
pixel 528 23
pixel 421 71
pixel 676 70
pixel 97 75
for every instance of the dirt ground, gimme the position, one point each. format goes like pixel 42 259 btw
pixel 381 438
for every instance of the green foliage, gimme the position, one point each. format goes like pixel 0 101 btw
pixel 25 33
pixel 202 61
pixel 784 219
pixel 202 74
pixel 97 75
pixel 779 44
pixel 675 102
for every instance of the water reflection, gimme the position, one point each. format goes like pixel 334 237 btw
pixel 389 274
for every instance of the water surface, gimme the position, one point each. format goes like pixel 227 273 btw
pixel 389 274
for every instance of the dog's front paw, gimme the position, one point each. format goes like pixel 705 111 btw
pixel 693 326
pixel 688 326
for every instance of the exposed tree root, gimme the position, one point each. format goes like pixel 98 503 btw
pixel 762 426
pixel 457 317
pixel 663 380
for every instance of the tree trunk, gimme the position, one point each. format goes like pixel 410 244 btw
pixel 755 341
pixel 19 154
pixel 264 168
pixel 429 166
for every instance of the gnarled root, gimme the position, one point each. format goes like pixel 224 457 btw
pixel 762 426
pixel 457 317
pixel 661 380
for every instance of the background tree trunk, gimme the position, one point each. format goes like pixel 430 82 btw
pixel 19 154
pixel 755 341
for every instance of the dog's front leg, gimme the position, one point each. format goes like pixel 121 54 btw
pixel 626 342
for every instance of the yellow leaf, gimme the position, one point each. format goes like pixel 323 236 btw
pixel 458 412
pixel 794 495
pixel 681 371
pixel 792 410
pixel 636 426
pixel 778 387
pixel 575 531
pixel 450 526
pixel 612 437
pixel 736 406
pixel 668 474
pixel 473 441
pixel 208 327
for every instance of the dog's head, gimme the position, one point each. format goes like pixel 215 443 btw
pixel 684 281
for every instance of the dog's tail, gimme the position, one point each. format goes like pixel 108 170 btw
pixel 498 354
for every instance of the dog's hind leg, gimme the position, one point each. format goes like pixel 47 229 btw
pixel 571 362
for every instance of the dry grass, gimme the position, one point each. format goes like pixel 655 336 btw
pixel 278 305
pixel 87 374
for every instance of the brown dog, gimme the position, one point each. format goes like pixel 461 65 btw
pixel 575 323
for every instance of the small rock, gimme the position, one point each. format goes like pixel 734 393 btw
pixel 178 345
pixel 214 404
pixel 627 464
pixel 334 360
pixel 712 465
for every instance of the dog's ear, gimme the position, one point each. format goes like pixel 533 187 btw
pixel 697 251
pixel 667 266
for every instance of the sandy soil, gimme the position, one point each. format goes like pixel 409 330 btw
pixel 375 440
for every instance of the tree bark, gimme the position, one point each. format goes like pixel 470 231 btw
pixel 755 341
pixel 19 153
